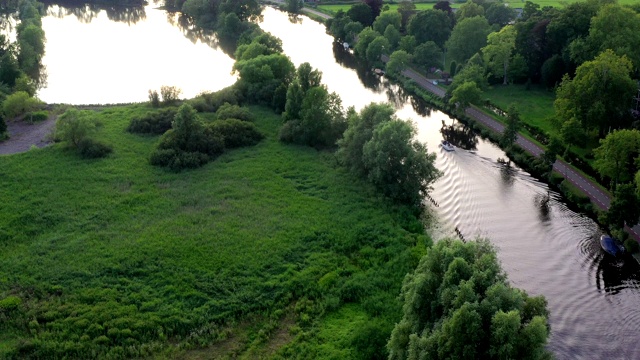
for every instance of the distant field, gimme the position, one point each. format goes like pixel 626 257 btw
pixel 331 9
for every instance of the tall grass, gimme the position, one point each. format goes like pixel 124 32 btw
pixel 115 258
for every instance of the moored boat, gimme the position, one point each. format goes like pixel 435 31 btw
pixel 611 246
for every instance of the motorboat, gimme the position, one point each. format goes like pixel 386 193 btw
pixel 447 145
pixel 611 246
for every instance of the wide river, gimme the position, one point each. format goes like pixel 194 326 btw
pixel 99 56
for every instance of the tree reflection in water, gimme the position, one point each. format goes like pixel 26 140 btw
pixel 129 13
pixel 460 135
pixel 613 275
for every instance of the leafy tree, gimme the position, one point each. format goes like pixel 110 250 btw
pixel 336 25
pixel 379 46
pixel 385 19
pixel 351 30
pixel 365 37
pixel 9 69
pixel 510 134
pixel 427 55
pixel 359 132
pixel 407 43
pixel 393 36
pixel 530 10
pixel 31 40
pixel 552 71
pixel 398 61
pixel 430 25
pixel 445 6
pixel 458 305
pixel 406 10
pixel 375 6
pixel 468 10
pixel 616 28
pixel 465 94
pixel 500 14
pixel 498 51
pixel 467 38
pixel 624 208
pixel 573 133
pixel 321 120
pixel 306 78
pixel 470 73
pixel 261 76
pixel 294 6
pixel 570 23
pixel 169 94
pixel 614 158
pixel 399 166
pixel 361 13
pixel 73 126
pixel 599 94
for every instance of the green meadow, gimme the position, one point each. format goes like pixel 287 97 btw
pixel 261 252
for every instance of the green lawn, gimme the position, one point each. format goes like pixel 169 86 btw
pixel 116 258
pixel 535 105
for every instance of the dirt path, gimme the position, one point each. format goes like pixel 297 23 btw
pixel 23 135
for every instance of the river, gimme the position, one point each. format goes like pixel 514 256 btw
pixel 553 251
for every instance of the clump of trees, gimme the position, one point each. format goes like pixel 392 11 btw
pixel 459 305
pixel 190 143
pixel 312 115
pixel 76 129
pixel 169 95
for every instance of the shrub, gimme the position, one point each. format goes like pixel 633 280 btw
pixel 162 157
pixel 212 101
pixel 10 303
pixel 228 111
pixel 237 133
pixel 37 116
pixel 157 122
pixel 92 149
pixel 19 103
pixel 632 246
pixel 73 126
pixel 154 98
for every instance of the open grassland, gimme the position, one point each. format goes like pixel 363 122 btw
pixel 116 258
pixel 535 105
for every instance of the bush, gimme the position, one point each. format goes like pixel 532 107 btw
pixel 632 246
pixel 228 111
pixel 162 157
pixel 73 126
pixel 237 133
pixel 178 160
pixel 157 122
pixel 19 103
pixel 92 149
pixel 37 116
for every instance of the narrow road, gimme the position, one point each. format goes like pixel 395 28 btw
pixel 597 196
pixel 23 135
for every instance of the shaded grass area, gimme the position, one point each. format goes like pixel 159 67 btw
pixel 116 258
pixel 535 105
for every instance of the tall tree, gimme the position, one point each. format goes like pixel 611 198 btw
pixel 464 95
pixel 385 19
pixel 398 61
pixel 375 5
pixel 458 305
pixel 616 154
pixel 379 46
pixel 625 207
pixel 467 38
pixel 510 134
pixel 468 10
pixel 600 93
pixel 399 166
pixel 498 51
pixel 361 13
pixel 430 25
pixel 500 14
pixel 428 55
pixel 366 36
pixel 406 10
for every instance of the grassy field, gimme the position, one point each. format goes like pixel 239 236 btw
pixel 257 253
pixel 535 105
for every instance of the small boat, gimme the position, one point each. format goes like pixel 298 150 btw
pixel 447 145
pixel 611 246
pixel 378 71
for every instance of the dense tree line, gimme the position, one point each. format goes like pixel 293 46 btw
pixel 21 70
